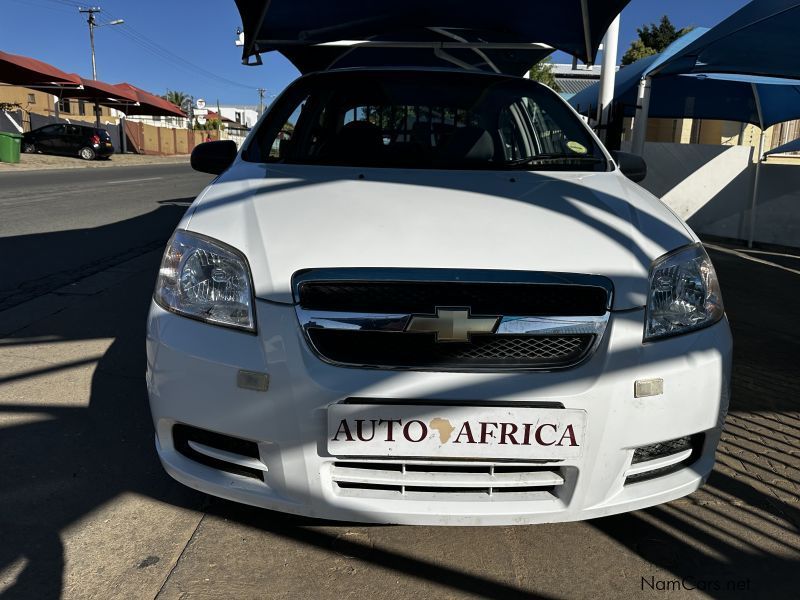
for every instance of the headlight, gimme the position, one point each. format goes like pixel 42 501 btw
pixel 207 280
pixel 684 294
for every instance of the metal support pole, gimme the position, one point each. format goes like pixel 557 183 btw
pixel 124 136
pixel 640 120
pixel 587 31
pixel 753 207
pixel 607 78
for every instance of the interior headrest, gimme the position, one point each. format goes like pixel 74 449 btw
pixel 468 144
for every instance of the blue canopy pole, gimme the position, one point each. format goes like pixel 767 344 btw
pixel 758 166
pixel 642 113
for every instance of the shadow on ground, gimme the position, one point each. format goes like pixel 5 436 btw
pixel 742 527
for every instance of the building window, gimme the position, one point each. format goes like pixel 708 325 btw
pixel 64 106
pixel 81 107
pixel 31 98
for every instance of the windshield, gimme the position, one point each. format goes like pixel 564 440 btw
pixel 424 120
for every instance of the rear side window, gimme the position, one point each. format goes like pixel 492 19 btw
pixel 424 120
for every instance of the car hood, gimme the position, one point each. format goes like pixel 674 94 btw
pixel 285 218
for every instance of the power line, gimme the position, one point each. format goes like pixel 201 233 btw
pixel 156 49
pixel 52 5
pixel 161 52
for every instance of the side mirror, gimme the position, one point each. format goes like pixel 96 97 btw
pixel 631 165
pixel 214 157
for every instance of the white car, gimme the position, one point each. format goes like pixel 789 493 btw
pixel 432 297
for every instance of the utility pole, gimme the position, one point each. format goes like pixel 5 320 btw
pixel 261 92
pixel 92 11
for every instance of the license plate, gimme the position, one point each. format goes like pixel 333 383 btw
pixel 455 432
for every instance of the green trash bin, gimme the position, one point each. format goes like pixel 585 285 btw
pixel 9 147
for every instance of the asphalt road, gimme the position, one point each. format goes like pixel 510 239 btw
pixel 60 226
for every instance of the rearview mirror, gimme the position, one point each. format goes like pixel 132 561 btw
pixel 214 157
pixel 631 165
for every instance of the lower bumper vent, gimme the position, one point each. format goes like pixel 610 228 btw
pixel 664 458
pixel 411 481
pixel 218 451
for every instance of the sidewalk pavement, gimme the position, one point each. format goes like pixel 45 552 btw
pixel 87 512
pixel 38 162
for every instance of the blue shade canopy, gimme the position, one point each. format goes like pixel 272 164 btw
pixel 628 77
pixel 504 28
pixel 724 97
pixel 793 146
pixel 759 39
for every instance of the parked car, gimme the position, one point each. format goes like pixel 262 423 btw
pixel 88 143
pixel 438 300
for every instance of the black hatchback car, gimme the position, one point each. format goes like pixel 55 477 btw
pixel 88 143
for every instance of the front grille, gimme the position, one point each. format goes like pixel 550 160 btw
pixel 424 297
pixel 448 319
pixel 392 349
pixel 417 481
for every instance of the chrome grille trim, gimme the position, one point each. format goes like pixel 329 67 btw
pixel 591 327
pixel 398 322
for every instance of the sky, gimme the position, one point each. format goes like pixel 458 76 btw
pixel 189 46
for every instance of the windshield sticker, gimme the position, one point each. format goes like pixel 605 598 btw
pixel 576 147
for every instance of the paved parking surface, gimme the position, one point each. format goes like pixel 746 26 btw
pixel 87 512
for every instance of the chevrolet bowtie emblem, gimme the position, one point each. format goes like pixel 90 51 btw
pixel 452 324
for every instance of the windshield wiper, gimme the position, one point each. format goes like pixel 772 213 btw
pixel 543 159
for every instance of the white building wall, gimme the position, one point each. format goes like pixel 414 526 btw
pixel 170 122
pixel 245 116
pixel 711 187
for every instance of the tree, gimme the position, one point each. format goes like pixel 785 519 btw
pixel 176 97
pixel 653 38
pixel 543 73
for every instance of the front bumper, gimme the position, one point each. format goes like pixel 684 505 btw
pixel 192 380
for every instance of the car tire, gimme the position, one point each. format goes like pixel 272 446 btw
pixel 87 153
pixel 29 148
